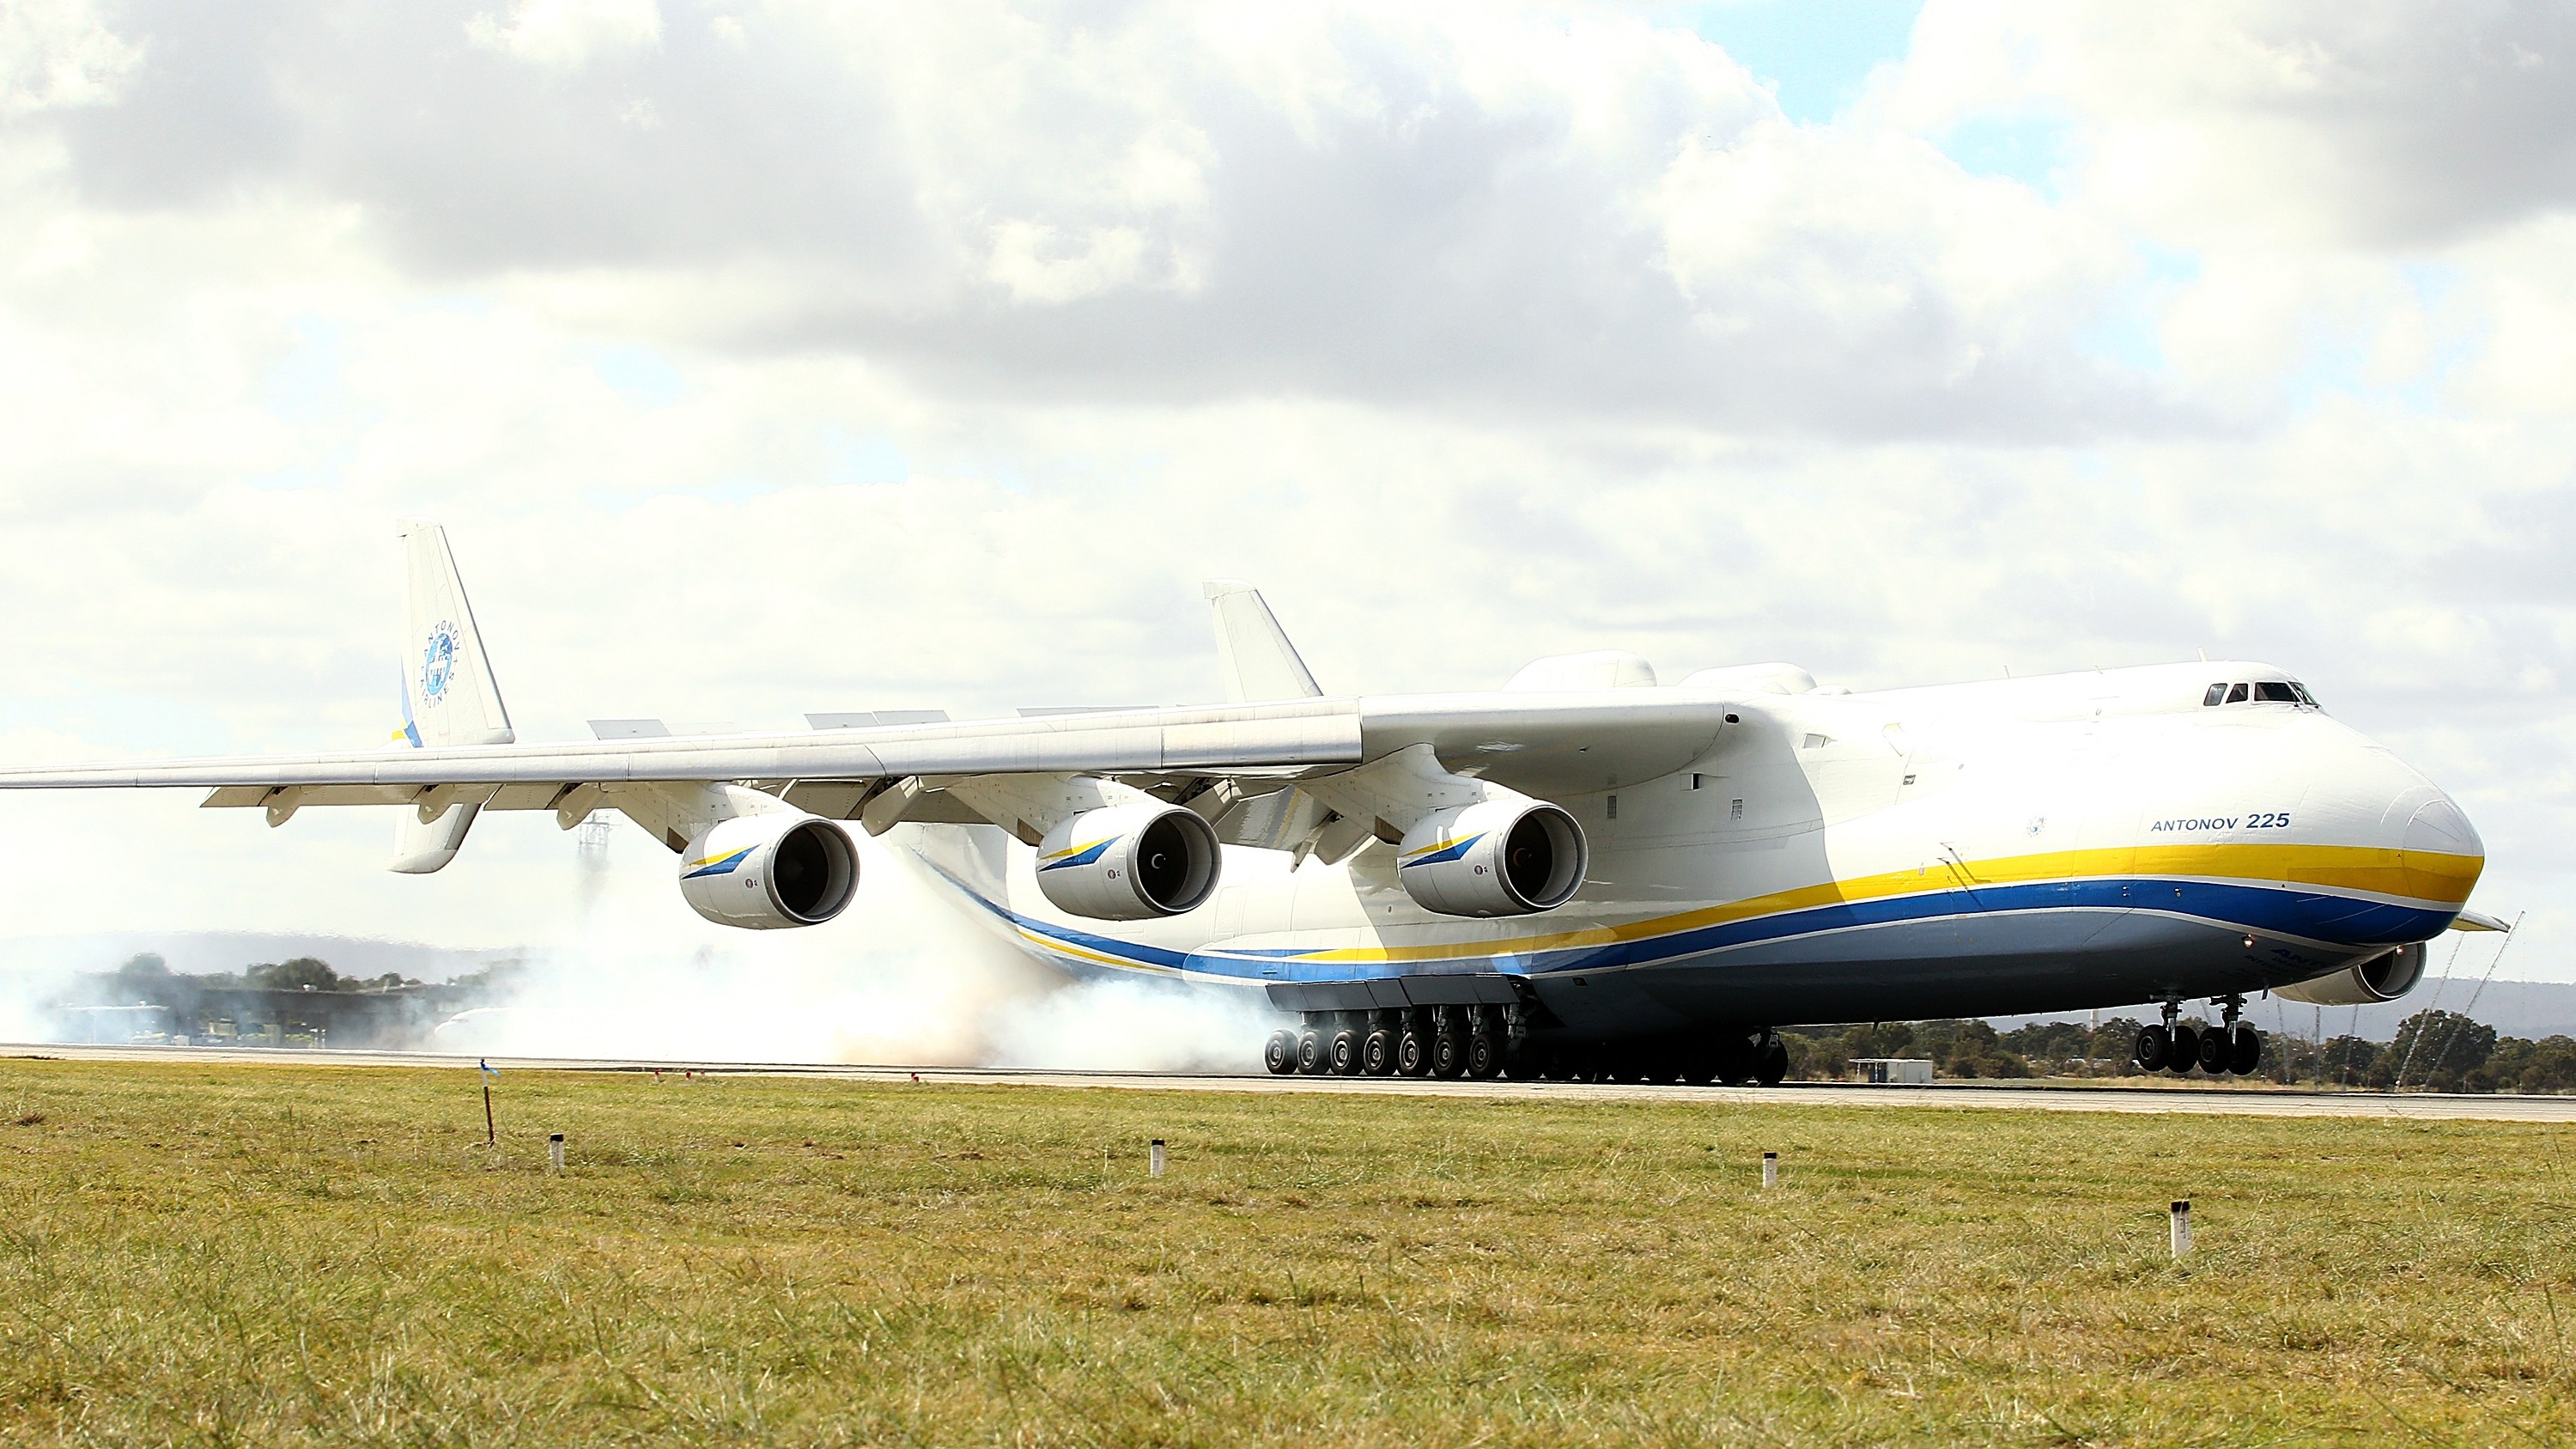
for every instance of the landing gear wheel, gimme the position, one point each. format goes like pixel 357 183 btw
pixel 1520 1064
pixel 1377 1054
pixel 1346 1053
pixel 1775 1064
pixel 1311 1060
pixel 2247 1057
pixel 2186 1051
pixel 1735 1062
pixel 1484 1056
pixel 1699 1069
pixel 2217 1052
pixel 2154 1048
pixel 1279 1053
pixel 1412 1054
pixel 1448 1054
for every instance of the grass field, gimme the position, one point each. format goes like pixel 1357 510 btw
pixel 318 1255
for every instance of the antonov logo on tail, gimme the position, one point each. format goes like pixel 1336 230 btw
pixel 438 663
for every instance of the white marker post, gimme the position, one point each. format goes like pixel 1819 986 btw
pixel 2181 1227
pixel 554 1152
pixel 1154 1160
pixel 1770 1169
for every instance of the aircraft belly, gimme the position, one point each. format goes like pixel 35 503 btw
pixel 2026 961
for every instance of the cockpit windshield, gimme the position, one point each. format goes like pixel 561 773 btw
pixel 2260 691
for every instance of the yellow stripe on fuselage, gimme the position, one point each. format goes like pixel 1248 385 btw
pixel 2416 877
pixel 1066 948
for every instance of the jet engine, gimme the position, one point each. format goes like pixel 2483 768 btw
pixel 762 872
pixel 1499 857
pixel 2384 977
pixel 1129 862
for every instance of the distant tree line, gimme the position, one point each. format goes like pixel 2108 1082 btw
pixel 2439 1051
pixel 303 973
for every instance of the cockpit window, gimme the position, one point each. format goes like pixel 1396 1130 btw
pixel 2275 691
pixel 2217 695
pixel 2305 698
pixel 2236 695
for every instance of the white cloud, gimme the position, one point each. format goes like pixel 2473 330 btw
pixel 57 53
pixel 2379 122
pixel 566 35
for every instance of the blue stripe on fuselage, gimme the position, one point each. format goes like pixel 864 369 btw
pixel 2278 910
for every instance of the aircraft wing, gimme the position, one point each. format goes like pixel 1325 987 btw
pixel 1283 765
pixel 1556 743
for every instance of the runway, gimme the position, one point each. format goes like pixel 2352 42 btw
pixel 2182 1098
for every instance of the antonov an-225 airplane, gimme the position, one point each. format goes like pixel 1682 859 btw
pixel 1584 873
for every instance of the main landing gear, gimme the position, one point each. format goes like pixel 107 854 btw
pixel 1421 1041
pixel 2231 1046
pixel 1484 1042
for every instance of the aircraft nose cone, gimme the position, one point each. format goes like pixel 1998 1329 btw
pixel 2437 827
pixel 2439 853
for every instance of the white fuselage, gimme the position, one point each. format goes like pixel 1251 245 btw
pixel 2018 845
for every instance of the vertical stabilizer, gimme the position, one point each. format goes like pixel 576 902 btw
pixel 448 694
pixel 449 697
pixel 1259 661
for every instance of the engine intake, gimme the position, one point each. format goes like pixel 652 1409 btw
pixel 2384 977
pixel 1506 857
pixel 765 872
pixel 1129 862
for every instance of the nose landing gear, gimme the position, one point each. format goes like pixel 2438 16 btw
pixel 2230 1047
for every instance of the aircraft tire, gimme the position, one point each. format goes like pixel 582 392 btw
pixel 1448 1055
pixel 1412 1054
pixel 2247 1057
pixel 1775 1064
pixel 1344 1050
pixel 2153 1049
pixel 1735 1062
pixel 2186 1051
pixel 1699 1069
pixel 1377 1054
pixel 1311 1058
pixel 1520 1063
pixel 1279 1053
pixel 1484 1055
pixel 2217 1052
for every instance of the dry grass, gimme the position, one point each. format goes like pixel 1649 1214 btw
pixel 299 1255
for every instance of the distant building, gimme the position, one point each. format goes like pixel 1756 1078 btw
pixel 1892 1071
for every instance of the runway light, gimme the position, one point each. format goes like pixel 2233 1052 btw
pixel 1770 1169
pixel 2181 1226
pixel 1154 1159
pixel 554 1152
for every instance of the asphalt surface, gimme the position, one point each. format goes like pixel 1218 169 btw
pixel 2107 1097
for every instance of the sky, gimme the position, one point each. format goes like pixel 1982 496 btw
pixel 786 357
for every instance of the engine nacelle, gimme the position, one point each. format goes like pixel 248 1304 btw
pixel 1503 857
pixel 2384 977
pixel 1129 862
pixel 762 872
